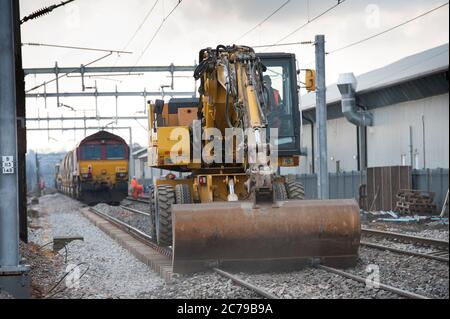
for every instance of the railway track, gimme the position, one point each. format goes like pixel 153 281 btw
pixel 441 247
pixel 144 200
pixel 166 253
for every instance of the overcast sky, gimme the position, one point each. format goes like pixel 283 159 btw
pixel 196 24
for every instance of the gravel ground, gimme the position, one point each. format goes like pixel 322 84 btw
pixel 136 220
pixel 311 283
pixel 394 244
pixel 428 229
pixel 112 271
pixel 202 286
pixel 422 276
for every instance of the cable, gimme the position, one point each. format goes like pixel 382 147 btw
pixel 387 30
pixel 263 21
pixel 157 31
pixel 282 44
pixel 312 20
pixel 66 74
pixel 44 11
pixel 141 25
pixel 73 47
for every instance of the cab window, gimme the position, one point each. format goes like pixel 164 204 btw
pixel 115 152
pixel 279 106
pixel 91 153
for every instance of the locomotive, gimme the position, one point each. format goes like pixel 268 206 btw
pixel 96 171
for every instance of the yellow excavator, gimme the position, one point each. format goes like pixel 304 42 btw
pixel 224 202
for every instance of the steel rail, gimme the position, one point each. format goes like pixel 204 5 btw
pixel 136 233
pixel 135 211
pixel 405 252
pixel 400 292
pixel 245 284
pixel 147 240
pixel 131 199
pixel 414 239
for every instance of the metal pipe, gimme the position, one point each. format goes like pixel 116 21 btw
pixel 9 210
pixel 311 123
pixel 423 143
pixel 321 120
pixel 411 147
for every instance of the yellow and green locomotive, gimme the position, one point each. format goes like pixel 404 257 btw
pixel 96 171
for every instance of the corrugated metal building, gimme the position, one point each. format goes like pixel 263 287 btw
pixel 410 103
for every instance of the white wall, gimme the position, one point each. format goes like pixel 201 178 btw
pixel 342 146
pixel 389 139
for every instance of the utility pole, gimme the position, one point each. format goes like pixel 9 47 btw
pixel 12 274
pixel 321 120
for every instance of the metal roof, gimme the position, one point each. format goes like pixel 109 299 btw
pixel 410 68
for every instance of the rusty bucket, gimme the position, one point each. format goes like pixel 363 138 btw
pixel 273 237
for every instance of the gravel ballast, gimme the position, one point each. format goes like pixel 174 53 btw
pixel 112 272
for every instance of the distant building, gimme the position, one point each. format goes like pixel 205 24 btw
pixel 408 96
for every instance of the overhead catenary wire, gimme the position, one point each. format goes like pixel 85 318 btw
pixel 263 21
pixel 339 2
pixel 149 43
pixel 387 30
pixel 146 17
pixel 74 47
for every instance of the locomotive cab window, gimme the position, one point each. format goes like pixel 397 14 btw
pixel 115 152
pixel 91 152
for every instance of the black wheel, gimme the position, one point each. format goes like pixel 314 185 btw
pixel 152 200
pixel 295 190
pixel 165 197
pixel 183 194
pixel 279 191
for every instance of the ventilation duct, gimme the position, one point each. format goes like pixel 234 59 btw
pixel 347 86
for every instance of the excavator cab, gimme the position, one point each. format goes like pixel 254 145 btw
pixel 280 81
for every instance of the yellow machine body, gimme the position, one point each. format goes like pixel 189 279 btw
pixel 237 214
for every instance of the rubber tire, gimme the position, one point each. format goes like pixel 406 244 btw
pixel 279 191
pixel 183 194
pixel 152 202
pixel 295 190
pixel 165 197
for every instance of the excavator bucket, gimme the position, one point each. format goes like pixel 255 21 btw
pixel 271 237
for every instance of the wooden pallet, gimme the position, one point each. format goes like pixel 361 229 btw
pixel 415 202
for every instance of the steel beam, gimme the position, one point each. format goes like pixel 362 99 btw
pixel 106 94
pixel 90 118
pixel 111 69
pixel 11 271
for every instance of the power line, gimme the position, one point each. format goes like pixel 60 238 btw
pixel 157 31
pixel 44 11
pixel 73 47
pixel 141 25
pixel 282 44
pixel 388 30
pixel 339 2
pixel 263 21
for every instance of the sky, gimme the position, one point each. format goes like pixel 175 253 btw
pixel 197 24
